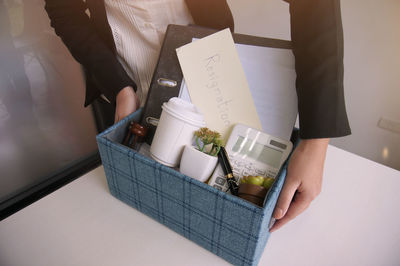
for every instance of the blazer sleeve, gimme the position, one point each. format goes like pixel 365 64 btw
pixel 317 38
pixel 73 25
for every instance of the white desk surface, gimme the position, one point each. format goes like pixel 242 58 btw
pixel 354 221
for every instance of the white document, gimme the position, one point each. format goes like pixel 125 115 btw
pixel 217 83
pixel 271 76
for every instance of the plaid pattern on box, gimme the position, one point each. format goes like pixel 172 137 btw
pixel 226 225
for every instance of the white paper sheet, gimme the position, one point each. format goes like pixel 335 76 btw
pixel 271 76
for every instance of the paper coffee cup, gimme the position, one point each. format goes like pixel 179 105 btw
pixel 178 122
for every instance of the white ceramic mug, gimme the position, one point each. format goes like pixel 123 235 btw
pixel 179 120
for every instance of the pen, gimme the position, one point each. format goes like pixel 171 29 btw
pixel 227 168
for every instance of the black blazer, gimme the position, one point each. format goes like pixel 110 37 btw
pixel 317 39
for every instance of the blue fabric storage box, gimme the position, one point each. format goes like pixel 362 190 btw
pixel 226 225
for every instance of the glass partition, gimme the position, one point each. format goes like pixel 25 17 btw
pixel 45 132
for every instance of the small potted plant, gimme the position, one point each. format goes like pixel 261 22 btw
pixel 255 188
pixel 199 162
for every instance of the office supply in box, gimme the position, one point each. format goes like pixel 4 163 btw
pixel 228 226
pixel 216 82
pixel 227 172
pixel 179 120
pixel 271 77
pixel 252 152
pixel 268 65
pixel 135 135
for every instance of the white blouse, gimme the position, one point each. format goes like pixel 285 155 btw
pixel 138 28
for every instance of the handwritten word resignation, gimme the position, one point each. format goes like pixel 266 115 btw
pixel 211 65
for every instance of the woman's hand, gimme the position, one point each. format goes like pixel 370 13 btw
pixel 127 102
pixel 303 181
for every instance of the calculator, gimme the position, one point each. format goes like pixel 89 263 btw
pixel 251 152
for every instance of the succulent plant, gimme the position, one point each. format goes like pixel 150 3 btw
pixel 205 137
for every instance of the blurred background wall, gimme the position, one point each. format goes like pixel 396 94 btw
pixel 372 68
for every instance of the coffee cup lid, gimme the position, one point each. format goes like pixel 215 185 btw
pixel 184 110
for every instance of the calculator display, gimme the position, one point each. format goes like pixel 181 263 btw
pixel 259 152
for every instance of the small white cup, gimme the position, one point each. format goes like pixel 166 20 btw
pixel 179 120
